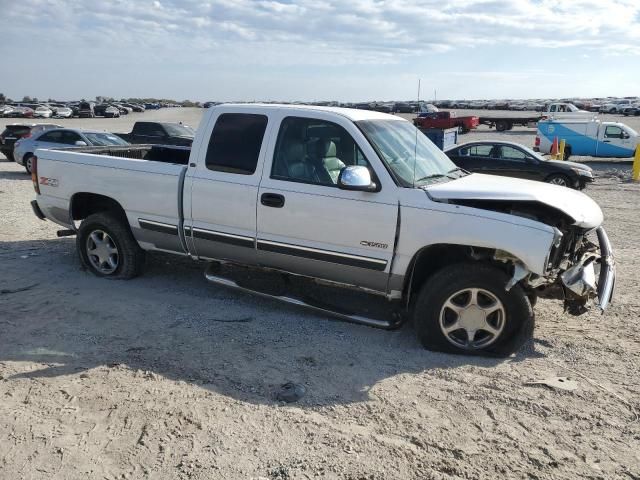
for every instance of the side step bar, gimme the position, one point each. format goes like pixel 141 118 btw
pixel 371 322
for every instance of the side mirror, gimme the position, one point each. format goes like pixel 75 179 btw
pixel 356 177
pixel 80 143
pixel 625 135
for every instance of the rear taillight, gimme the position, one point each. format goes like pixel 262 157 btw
pixel 34 174
pixel 537 141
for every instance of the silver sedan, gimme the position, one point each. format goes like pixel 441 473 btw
pixel 25 148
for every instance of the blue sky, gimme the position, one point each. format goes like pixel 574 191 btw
pixel 319 50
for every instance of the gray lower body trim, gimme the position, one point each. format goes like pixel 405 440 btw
pixel 323 255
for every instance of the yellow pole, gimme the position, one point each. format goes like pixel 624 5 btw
pixel 561 150
pixel 636 165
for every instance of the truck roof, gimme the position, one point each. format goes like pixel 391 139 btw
pixel 350 113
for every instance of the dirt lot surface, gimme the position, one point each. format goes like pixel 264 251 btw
pixel 167 376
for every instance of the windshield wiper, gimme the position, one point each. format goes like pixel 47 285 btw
pixel 433 175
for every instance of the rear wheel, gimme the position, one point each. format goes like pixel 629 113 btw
pixel 464 308
pixel 559 179
pixel 106 246
pixel 28 162
pixel 501 125
pixel 567 152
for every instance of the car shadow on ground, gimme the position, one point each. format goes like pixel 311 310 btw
pixel 172 323
pixel 19 175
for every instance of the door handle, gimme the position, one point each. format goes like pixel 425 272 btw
pixel 606 141
pixel 274 200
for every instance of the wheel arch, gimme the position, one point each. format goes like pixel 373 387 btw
pixel 83 204
pixel 432 258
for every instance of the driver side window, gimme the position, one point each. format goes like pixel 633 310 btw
pixel 613 132
pixel 314 151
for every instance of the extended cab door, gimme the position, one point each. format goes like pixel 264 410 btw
pixel 309 226
pixel 220 218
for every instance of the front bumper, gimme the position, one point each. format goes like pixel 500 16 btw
pixel 607 279
pixel 580 282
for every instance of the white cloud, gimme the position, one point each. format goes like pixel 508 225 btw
pixel 262 38
pixel 399 27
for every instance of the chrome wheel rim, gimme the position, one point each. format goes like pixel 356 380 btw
pixel 558 181
pixel 102 252
pixel 472 318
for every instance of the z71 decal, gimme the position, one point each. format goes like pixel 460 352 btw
pixel 366 243
pixel 50 182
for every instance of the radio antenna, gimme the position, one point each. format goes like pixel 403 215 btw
pixel 415 147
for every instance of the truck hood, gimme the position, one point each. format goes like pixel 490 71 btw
pixel 582 209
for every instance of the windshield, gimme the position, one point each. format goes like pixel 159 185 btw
pixel 177 130
pixel 407 152
pixel 104 139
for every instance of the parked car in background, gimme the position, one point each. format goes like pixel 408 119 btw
pixel 61 111
pixel 399 107
pixel 445 119
pixel 42 112
pixel 124 110
pixel 615 107
pixel 164 133
pixel 20 112
pixel 61 137
pixel 514 160
pixel 106 110
pixel 631 110
pixel 587 137
pixel 564 109
pixel 86 110
pixel 134 107
pixel 16 131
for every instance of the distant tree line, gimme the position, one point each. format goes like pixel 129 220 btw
pixel 100 99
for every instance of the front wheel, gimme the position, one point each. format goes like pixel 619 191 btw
pixel 107 248
pixel 465 308
pixel 559 179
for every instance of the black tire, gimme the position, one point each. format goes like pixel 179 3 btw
pixel 130 257
pixel 518 321
pixel 27 162
pixel 559 179
pixel 501 125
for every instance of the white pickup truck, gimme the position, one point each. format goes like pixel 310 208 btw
pixel 347 198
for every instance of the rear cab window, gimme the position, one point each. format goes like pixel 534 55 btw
pixel 235 143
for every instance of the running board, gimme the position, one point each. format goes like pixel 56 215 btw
pixel 371 322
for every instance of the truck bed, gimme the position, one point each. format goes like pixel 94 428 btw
pixel 155 153
pixel 145 180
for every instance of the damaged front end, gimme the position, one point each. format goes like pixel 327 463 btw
pixel 580 266
pixel 581 270
pixel 581 282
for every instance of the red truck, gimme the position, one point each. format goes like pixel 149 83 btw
pixel 446 120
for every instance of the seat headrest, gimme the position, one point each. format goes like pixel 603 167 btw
pixel 321 148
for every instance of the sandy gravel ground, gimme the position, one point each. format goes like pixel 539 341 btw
pixel 167 376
